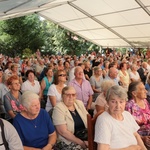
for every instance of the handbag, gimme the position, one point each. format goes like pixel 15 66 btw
pixel 82 134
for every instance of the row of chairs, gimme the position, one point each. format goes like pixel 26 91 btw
pixel 91 129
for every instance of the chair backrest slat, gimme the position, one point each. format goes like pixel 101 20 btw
pixel 91 129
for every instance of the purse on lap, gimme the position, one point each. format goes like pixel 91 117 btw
pixel 82 134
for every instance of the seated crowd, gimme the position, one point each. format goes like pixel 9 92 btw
pixel 47 99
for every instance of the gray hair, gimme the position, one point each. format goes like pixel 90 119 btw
pixel 133 66
pixel 118 91
pixel 66 88
pixel 106 84
pixel 5 77
pixel 27 98
pixel 77 68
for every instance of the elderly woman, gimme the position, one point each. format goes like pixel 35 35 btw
pixel 139 107
pixel 31 84
pixel 147 87
pixel 134 75
pixel 116 128
pixel 34 125
pixel 4 88
pixel 96 81
pixel 124 75
pixel 12 98
pixel 101 103
pixel 55 90
pixel 106 68
pixel 69 117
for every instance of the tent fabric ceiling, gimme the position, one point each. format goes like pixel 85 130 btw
pixel 108 23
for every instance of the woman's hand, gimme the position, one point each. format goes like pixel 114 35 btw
pixel 84 144
pixel 146 140
pixel 47 147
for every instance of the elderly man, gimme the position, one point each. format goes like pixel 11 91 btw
pixel 82 87
pixel 113 75
pixel 143 71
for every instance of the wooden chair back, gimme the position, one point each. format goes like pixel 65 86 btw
pixel 91 129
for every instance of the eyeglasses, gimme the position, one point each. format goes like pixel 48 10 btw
pixel 62 75
pixel 16 83
pixel 69 95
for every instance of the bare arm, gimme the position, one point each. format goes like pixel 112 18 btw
pixel 11 114
pixel 52 100
pixel 99 108
pixel 51 141
pixel 132 79
pixel 95 90
pixel 146 140
pixel 20 80
pixel 62 130
pixel 40 94
pixel 43 85
pixel 139 141
pixel 107 147
pixel 30 148
pixel 87 77
pixel 103 147
pixel 89 102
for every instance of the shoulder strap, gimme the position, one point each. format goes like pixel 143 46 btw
pixel 3 135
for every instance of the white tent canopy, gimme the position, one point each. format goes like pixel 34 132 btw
pixel 108 23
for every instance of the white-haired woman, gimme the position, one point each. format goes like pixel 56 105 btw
pixel 34 125
pixel 115 128
pixel 101 103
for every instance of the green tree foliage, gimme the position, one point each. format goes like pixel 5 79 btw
pixel 21 33
pixel 27 52
pixel 66 42
pixel 30 32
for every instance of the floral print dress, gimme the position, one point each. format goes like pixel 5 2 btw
pixel 142 116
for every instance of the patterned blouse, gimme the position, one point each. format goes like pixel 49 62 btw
pixel 142 116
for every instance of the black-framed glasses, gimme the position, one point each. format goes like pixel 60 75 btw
pixel 62 75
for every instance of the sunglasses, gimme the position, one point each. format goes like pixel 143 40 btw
pixel 62 75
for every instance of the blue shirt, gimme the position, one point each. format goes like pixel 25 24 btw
pixel 34 133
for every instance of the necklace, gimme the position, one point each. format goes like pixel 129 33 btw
pixel 73 112
pixel 33 121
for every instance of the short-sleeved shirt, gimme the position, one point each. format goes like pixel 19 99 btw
pixel 11 103
pixel 83 91
pixel 101 101
pixel 34 133
pixel 27 86
pixel 142 116
pixel 48 84
pixel 3 90
pixel 117 134
pixel 11 136
pixel 134 76
pixel 96 84
pixel 52 91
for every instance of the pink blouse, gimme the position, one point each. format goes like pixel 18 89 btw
pixel 142 116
